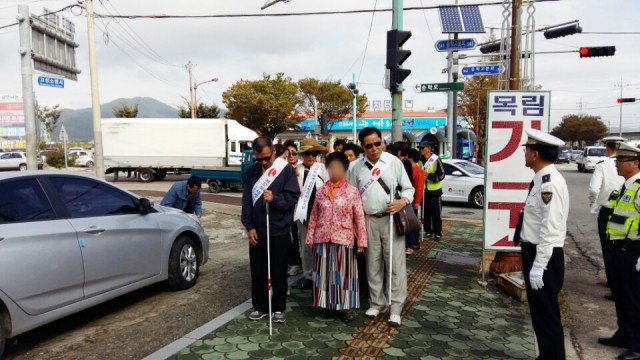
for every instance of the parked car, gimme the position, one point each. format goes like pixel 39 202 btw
pixel 70 241
pixel 591 155
pixel 72 149
pixel 83 158
pixel 16 160
pixel 463 182
pixel 564 155
pixel 574 154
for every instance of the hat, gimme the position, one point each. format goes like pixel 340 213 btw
pixel 626 150
pixel 425 144
pixel 537 137
pixel 310 145
pixel 613 139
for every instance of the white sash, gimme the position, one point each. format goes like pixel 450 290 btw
pixel 267 178
pixel 378 169
pixel 303 203
pixel 430 161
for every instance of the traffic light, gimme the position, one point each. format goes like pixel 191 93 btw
pixel 624 100
pixel 396 56
pixel 490 48
pixel 562 31
pixel 597 51
pixel 324 125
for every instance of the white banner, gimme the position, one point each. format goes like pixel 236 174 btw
pixel 507 178
pixel 267 178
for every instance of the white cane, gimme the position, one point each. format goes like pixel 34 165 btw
pixel 270 290
pixel 392 197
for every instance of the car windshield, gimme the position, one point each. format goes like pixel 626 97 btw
pixel 577 152
pixel 597 152
pixel 564 149
pixel 470 167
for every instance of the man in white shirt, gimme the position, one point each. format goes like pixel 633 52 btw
pixel 604 181
pixel 367 174
pixel 542 234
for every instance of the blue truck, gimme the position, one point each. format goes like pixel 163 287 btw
pixel 230 177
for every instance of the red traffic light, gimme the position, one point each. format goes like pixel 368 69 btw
pixel 597 51
pixel 584 52
pixel 626 100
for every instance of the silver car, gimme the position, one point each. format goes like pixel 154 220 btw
pixel 16 160
pixel 70 241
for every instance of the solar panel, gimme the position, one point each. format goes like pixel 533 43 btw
pixel 450 19
pixel 472 19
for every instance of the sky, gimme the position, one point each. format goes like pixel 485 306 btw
pixel 146 57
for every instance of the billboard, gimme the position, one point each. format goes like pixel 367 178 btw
pixel 507 179
pixel 11 110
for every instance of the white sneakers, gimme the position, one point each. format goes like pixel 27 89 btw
pixel 294 270
pixel 373 312
pixel 395 320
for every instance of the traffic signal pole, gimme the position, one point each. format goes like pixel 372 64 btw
pixel 396 95
pixel 31 139
pixel 516 34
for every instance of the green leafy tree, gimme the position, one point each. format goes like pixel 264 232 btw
pixel 125 111
pixel 204 111
pixel 269 105
pixel 581 128
pixel 48 117
pixel 333 99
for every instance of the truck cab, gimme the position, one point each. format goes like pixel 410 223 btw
pixel 236 151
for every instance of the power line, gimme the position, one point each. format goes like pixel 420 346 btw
pixel 612 32
pixel 366 46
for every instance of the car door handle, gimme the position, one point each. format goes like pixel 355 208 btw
pixel 93 230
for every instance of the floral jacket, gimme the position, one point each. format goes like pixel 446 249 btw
pixel 338 221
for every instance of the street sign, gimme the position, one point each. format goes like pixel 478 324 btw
pixel 63 136
pixel 50 81
pixel 456 86
pixel 456 44
pixel 483 70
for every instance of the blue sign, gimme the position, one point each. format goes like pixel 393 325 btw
pixel 49 81
pixel 423 123
pixel 456 44
pixel 483 70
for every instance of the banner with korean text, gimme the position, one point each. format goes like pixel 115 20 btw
pixel 507 178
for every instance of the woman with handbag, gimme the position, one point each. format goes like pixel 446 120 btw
pixel 337 218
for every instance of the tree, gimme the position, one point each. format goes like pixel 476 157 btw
pixel 333 99
pixel 48 117
pixel 269 105
pixel 125 111
pixel 472 103
pixel 204 111
pixel 581 127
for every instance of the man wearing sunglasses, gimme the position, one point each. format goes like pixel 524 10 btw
pixel 367 174
pixel 282 196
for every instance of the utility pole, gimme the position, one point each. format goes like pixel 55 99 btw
pixel 316 123
pixel 95 95
pixel 516 35
pixel 189 68
pixel 355 110
pixel 452 103
pixel 26 65
pixel 621 86
pixel 396 96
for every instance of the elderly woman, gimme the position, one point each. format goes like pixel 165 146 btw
pixel 336 219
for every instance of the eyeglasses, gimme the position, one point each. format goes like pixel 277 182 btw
pixel 376 144
pixel 292 153
pixel 263 159
pixel 311 153
pixel 620 161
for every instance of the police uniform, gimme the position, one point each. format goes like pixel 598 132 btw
pixel 624 234
pixel 605 179
pixel 544 228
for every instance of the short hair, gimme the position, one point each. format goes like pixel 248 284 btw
pixel 414 155
pixel 368 131
pixel 339 142
pixel 194 181
pixel 353 147
pixel 280 149
pixel 402 147
pixel 613 146
pixel 547 153
pixel 260 143
pixel 337 156
pixel 392 149
pixel 290 143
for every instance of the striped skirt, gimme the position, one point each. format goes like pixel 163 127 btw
pixel 335 276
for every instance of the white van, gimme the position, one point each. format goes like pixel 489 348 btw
pixel 591 155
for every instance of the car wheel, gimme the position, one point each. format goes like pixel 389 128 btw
pixel 146 175
pixel 161 174
pixel 214 187
pixel 22 167
pixel 476 199
pixel 89 164
pixel 184 264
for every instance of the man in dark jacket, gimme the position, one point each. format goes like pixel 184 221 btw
pixel 281 196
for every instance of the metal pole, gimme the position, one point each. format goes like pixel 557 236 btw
pixel 390 280
pixel 66 161
pixel 95 95
pixel 450 105
pixel 269 289
pixel 620 129
pixel 189 67
pixel 316 124
pixel 355 110
pixel 26 66
pixel 194 103
pixel 516 33
pixel 396 97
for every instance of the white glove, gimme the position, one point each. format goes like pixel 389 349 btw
pixel 535 277
pixel 638 265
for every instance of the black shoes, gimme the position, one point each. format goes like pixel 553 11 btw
pixel 609 296
pixel 306 284
pixel 613 342
pixel 629 355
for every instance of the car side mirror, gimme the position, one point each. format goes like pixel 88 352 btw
pixel 145 206
pixel 456 173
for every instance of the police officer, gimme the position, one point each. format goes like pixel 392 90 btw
pixel 624 233
pixel 604 181
pixel 432 212
pixel 544 228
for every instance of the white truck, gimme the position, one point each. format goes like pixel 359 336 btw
pixel 152 147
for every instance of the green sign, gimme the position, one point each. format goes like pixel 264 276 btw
pixel 456 86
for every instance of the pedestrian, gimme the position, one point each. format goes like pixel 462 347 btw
pixel 434 173
pixel 541 234
pixel 282 151
pixel 336 220
pixel 368 175
pixel 624 234
pixel 311 177
pixel 185 195
pixel 281 194
pixel 295 263
pixel 352 151
pixel 604 181
pixel 403 148
pixel 413 239
pixel 338 145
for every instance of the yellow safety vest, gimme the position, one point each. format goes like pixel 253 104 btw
pixel 623 224
pixel 433 185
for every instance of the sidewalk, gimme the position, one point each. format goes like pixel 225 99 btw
pixel 447 316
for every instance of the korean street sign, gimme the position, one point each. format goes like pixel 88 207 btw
pixel 483 70
pixel 63 136
pixel 507 178
pixel 50 81
pixel 455 86
pixel 456 44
